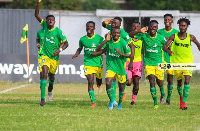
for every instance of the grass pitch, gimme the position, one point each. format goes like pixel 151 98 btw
pixel 70 110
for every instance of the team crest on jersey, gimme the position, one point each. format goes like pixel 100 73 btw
pixel 52 37
pixel 155 45
pixel 93 45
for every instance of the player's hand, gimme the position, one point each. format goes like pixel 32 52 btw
pixel 166 38
pixel 39 1
pixel 73 57
pixel 118 51
pixel 134 39
pixel 144 29
pixel 38 45
pixel 107 21
pixel 170 53
pixel 56 52
pixel 130 66
pixel 94 53
pixel 108 37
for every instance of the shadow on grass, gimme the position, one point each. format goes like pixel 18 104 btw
pixel 55 103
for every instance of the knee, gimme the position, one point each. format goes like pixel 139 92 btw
pixel 152 83
pixel 43 75
pixel 170 82
pixel 90 82
pixel 187 82
pixel 128 83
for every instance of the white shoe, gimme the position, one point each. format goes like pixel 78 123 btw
pixel 50 96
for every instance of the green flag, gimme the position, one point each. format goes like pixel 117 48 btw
pixel 24 34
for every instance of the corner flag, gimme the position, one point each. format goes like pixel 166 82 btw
pixel 24 34
pixel 24 37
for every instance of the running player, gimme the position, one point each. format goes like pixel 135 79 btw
pixel 116 22
pixel 40 42
pixel 93 65
pixel 117 51
pixel 167 32
pixel 152 44
pixel 181 52
pixel 54 43
pixel 135 74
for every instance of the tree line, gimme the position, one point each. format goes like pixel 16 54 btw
pixel 91 5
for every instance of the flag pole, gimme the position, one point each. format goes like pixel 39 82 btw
pixel 27 48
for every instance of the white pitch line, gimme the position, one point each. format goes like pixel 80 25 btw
pixel 13 88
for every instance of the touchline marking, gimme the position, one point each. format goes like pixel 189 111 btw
pixel 13 88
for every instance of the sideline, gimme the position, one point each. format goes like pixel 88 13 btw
pixel 13 88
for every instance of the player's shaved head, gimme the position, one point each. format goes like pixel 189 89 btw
pixel 170 15
pixel 50 16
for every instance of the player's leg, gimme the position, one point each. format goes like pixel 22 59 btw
pixel 186 91
pixel 121 94
pixel 114 87
pixel 124 97
pixel 180 91
pixel 150 74
pixel 137 73
pixel 50 87
pixel 52 70
pixel 99 82
pixel 99 76
pixel 151 79
pixel 135 89
pixel 179 77
pixel 109 92
pixel 160 84
pixel 43 83
pixel 169 88
pixel 121 82
pixel 159 80
pixel 90 79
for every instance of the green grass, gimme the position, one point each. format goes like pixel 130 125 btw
pixel 70 110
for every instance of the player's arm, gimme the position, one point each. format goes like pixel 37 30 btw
pixel 78 51
pixel 166 45
pixel 106 22
pixel 96 53
pixel 142 30
pixel 124 55
pixel 99 47
pixel 193 39
pixel 38 43
pixel 132 47
pixel 37 16
pixel 62 47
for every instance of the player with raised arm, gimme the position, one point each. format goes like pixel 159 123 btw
pixel 93 65
pixel 152 45
pixel 54 43
pixel 116 22
pixel 167 32
pixel 117 51
pixel 134 75
pixel 181 52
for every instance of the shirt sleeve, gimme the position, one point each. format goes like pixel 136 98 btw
pixel 163 40
pixel 108 27
pixel 43 24
pixel 62 37
pixel 38 35
pixel 80 43
pixel 139 36
pixel 125 36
